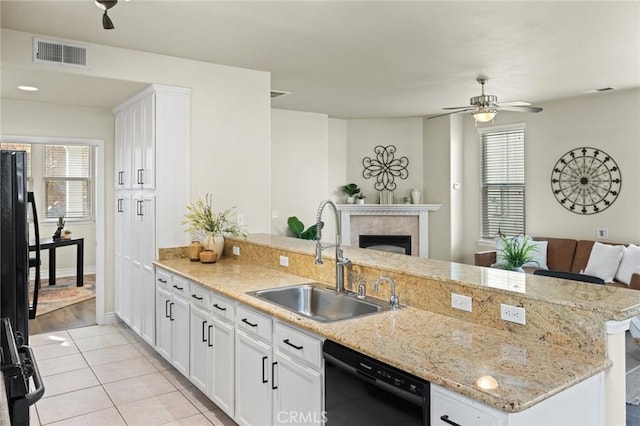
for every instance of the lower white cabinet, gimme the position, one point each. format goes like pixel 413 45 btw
pixel 298 392
pixel 580 405
pixel 172 321
pixel 200 344
pixel 222 377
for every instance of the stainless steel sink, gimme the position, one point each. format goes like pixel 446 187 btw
pixel 319 303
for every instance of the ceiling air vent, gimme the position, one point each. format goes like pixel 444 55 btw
pixel 62 53
pixel 278 93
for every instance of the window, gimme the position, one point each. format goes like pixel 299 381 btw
pixel 68 179
pixel 502 153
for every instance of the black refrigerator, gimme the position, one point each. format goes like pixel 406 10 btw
pixel 22 380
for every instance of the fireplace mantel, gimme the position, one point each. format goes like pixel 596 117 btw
pixel 419 210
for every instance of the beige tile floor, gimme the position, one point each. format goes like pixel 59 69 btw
pixel 107 375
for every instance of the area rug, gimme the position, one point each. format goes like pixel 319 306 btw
pixel 63 294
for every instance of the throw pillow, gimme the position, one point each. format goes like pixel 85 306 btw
pixel 539 254
pixel 629 264
pixel 604 261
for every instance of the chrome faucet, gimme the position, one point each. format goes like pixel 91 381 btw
pixel 341 261
pixel 394 302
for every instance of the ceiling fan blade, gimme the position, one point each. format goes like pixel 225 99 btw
pixel 460 107
pixel 514 103
pixel 521 108
pixel 449 113
pixel 107 24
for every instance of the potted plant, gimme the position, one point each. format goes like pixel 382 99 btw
pixel 203 223
pixel 360 198
pixel 351 190
pixel 515 252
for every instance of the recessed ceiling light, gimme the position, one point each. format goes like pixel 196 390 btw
pixel 28 88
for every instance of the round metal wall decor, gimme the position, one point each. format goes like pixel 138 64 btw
pixel 385 167
pixel 586 180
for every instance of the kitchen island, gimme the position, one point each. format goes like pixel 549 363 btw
pixel 564 342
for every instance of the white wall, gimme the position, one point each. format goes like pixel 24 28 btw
pixel 230 127
pixel 364 135
pixel 608 121
pixel 299 167
pixel 22 118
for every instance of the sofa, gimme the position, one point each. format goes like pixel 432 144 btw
pixel 564 255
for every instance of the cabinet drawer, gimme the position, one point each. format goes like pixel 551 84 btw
pixel 446 405
pixel 222 307
pixel 298 344
pixel 164 279
pixel 199 296
pixel 180 287
pixel 253 323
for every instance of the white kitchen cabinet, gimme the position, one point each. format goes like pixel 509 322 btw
pixel 164 328
pixel 123 257
pixel 580 405
pixel 222 378
pixel 298 377
pixel 200 343
pixel 152 175
pixel 254 392
pixel 179 313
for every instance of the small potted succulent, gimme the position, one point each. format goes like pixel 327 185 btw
pixel 351 190
pixel 360 198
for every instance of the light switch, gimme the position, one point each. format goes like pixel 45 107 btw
pixel 458 301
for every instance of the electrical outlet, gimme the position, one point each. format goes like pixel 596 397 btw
pixel 236 251
pixel 275 214
pixel 240 219
pixel 284 261
pixel 461 302
pixel 602 233
pixel 513 314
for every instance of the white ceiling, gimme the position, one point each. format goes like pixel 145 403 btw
pixel 358 59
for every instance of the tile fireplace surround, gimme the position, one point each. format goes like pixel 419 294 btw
pixel 387 219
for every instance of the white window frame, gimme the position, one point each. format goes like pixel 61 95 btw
pixel 498 129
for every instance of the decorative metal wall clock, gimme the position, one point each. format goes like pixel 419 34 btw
pixel 586 180
pixel 385 167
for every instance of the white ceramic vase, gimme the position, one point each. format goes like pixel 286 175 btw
pixel 415 196
pixel 214 242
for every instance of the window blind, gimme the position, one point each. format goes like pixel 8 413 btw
pixel 8 146
pixel 503 183
pixel 67 178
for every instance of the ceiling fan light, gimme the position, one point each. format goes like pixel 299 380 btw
pixel 484 114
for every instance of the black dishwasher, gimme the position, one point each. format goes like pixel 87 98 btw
pixel 360 390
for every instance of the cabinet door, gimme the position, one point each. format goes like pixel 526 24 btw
pixel 164 327
pixel 123 256
pixel 253 385
pixel 123 152
pixel 221 379
pixel 137 125
pixel 298 394
pixel 147 253
pixel 136 236
pixel 180 318
pixel 200 343
pixel 147 141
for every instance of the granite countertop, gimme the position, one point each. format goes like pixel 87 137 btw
pixel 443 350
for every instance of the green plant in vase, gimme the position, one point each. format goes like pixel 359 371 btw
pixel 351 190
pixel 516 251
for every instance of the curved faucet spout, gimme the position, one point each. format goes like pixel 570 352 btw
pixel 341 261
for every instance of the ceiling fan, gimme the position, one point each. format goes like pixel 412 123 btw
pixel 105 5
pixel 485 107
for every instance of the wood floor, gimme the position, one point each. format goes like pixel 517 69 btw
pixel 78 315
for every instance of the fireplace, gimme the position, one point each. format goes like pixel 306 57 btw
pixel 390 243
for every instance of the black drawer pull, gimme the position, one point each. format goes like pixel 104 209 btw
pixel 204 339
pixel 273 376
pixel 166 308
pixel 445 418
pixel 264 358
pixel 195 296
pixel 171 318
pixel 178 288
pixel 244 320
pixel 162 280
pixel 215 305
pixel 292 345
pixel 209 337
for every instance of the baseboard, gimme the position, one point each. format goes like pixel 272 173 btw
pixel 110 318
pixel 67 272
